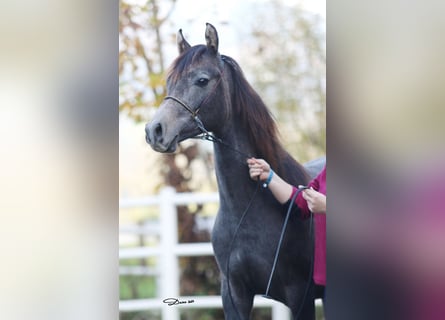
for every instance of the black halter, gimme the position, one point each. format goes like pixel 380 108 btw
pixel 194 112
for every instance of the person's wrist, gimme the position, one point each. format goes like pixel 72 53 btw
pixel 269 179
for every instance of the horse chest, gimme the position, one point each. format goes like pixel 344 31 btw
pixel 249 237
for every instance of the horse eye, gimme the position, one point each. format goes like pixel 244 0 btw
pixel 202 82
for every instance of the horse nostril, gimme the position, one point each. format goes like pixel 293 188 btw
pixel 158 131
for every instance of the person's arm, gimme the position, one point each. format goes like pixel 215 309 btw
pixel 308 200
pixel 279 188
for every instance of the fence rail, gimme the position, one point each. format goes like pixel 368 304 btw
pixel 279 311
pixel 168 251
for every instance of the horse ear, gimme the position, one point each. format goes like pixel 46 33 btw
pixel 211 38
pixel 183 45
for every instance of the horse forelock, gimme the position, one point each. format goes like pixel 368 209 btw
pixel 261 127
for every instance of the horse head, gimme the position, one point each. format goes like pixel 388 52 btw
pixel 195 100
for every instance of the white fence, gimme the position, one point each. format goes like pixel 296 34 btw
pixel 168 252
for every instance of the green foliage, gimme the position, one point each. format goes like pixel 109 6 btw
pixel 199 276
pixel 136 287
pixel 141 315
pixel 202 314
pixel 319 313
pixel 141 57
pixel 218 314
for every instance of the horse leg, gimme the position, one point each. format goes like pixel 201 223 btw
pixel 237 302
pixel 302 306
pixel 307 311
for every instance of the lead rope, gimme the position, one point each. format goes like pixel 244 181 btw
pixel 311 270
pixel 277 252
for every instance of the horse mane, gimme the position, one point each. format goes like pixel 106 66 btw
pixel 261 127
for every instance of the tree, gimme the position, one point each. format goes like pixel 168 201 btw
pixel 141 87
pixel 141 56
pixel 286 61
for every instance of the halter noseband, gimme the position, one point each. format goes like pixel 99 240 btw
pixel 194 113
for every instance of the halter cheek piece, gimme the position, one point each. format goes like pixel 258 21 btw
pixel 194 113
pixel 205 134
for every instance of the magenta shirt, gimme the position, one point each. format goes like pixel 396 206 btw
pixel 319 184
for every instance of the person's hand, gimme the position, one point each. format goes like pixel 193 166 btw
pixel 316 201
pixel 258 168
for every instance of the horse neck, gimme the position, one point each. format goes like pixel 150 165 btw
pixel 230 164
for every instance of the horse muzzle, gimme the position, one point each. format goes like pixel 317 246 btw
pixel 156 137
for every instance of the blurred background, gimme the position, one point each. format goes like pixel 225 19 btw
pixel 281 48
pixel 67 73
